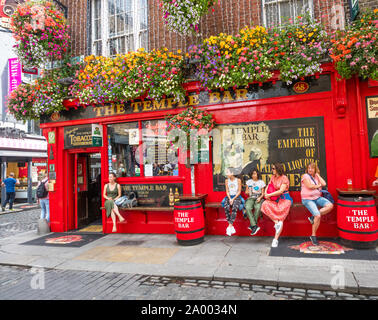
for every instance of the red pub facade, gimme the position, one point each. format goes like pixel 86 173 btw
pixel 320 118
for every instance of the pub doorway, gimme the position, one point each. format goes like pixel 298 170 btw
pixel 85 203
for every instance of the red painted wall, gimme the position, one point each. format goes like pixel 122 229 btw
pixel 346 147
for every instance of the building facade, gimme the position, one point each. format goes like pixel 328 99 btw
pixel 324 118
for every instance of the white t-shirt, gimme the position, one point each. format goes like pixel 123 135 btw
pixel 255 188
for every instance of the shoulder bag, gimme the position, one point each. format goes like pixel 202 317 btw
pixel 325 193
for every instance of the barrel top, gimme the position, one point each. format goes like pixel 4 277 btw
pixel 187 203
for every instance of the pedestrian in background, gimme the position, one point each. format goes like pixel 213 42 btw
pixel 43 196
pixel 312 198
pixel 278 201
pixel 10 190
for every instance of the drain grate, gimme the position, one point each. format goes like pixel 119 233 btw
pixel 130 243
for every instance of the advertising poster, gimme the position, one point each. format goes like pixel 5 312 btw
pixel 291 142
pixel 372 124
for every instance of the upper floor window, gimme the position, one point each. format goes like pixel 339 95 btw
pixel 276 12
pixel 118 26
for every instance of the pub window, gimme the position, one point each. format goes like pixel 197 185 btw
pixel 276 12
pixel 159 158
pixel 123 155
pixel 118 26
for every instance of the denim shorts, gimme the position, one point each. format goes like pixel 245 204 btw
pixel 312 205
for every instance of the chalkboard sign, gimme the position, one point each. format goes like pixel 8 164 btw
pixel 153 194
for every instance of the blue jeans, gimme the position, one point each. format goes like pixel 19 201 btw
pixel 45 209
pixel 312 205
pixel 9 198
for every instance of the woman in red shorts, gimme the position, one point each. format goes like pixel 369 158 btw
pixel 277 210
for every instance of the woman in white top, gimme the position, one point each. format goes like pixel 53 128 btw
pixel 232 200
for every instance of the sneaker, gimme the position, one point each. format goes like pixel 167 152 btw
pixel 274 243
pixel 314 241
pixel 233 230
pixel 254 230
pixel 3 208
pixel 278 226
pixel 311 219
pixel 228 231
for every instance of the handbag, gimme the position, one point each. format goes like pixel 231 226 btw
pixel 271 189
pixel 325 193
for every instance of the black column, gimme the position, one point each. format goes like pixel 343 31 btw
pixel 3 175
pixel 30 182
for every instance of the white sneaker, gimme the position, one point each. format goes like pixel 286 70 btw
pixel 278 226
pixel 228 231
pixel 233 230
pixel 274 243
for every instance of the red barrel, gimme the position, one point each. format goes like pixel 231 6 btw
pixel 357 221
pixel 189 222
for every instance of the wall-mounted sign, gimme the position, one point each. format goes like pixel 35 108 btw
pixel 254 92
pixel 292 142
pixel 301 87
pixel 153 194
pixel 14 74
pixel 372 124
pixel 83 136
pixel 51 136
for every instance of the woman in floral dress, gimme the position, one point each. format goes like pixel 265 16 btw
pixel 277 210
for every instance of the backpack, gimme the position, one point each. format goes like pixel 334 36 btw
pixel 41 191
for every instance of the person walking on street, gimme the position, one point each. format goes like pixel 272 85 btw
pixel 255 189
pixel 43 197
pixel 312 198
pixel 10 189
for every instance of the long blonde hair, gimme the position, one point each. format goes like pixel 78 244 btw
pixel 314 165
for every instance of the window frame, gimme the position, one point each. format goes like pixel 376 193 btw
pixel 142 176
pixel 264 4
pixel 105 37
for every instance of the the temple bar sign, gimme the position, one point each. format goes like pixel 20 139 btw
pixel 83 136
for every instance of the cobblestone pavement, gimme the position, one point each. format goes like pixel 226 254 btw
pixel 16 222
pixel 18 283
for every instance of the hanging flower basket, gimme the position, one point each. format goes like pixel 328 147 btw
pixel 355 49
pixel 41 32
pixel 183 16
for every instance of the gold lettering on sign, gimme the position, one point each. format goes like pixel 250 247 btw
pixel 136 106
pixel 120 108
pixel 158 105
pixel 146 106
pixel 241 94
pixel 193 100
pixel 214 97
pixel 227 97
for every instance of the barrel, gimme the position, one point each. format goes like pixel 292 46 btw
pixel 189 222
pixel 357 221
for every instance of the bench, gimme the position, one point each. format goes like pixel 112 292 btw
pixel 140 208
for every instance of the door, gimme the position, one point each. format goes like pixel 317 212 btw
pixel 81 190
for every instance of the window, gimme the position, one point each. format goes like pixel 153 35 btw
pixel 159 158
pixel 123 143
pixel 276 12
pixel 127 153
pixel 119 26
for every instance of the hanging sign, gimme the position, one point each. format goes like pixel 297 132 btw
pixel 14 78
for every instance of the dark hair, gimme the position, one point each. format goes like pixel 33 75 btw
pixel 114 175
pixel 257 171
pixel 279 168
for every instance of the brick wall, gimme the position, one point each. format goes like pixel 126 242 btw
pixel 77 20
pixel 229 16
pixel 363 4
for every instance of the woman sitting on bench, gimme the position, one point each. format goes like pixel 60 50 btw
pixel 112 191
